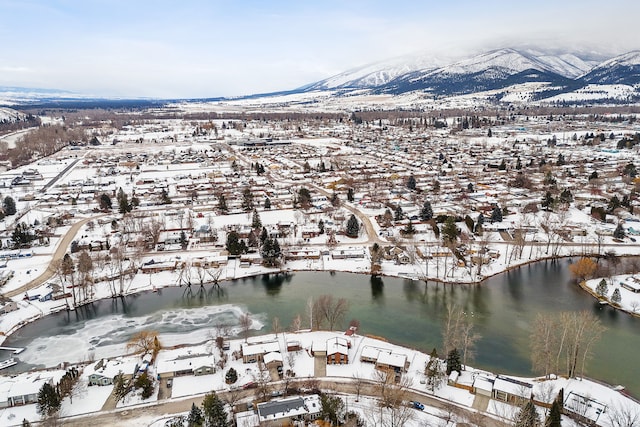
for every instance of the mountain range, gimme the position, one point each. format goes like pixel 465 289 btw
pixel 503 75
pixel 550 75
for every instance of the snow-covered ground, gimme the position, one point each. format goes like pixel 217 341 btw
pixel 89 399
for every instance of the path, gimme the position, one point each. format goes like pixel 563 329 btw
pixel 59 253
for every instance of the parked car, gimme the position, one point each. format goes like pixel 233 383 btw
pixel 417 405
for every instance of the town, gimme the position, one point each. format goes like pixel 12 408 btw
pixel 137 202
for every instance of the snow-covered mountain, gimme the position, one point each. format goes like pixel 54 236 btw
pixel 622 69
pixel 497 70
pixel 377 74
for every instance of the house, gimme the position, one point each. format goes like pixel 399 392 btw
pixel 273 359
pixel 104 371
pixel 388 361
pixel 511 390
pixel 338 351
pixel 385 359
pixel 285 411
pixel 185 365
pixel 254 352
pixel 482 386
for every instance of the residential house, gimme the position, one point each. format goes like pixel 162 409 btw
pixel 286 411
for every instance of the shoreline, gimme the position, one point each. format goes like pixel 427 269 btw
pixel 23 322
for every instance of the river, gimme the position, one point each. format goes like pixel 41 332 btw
pixel 405 312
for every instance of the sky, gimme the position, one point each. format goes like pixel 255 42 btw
pixel 209 48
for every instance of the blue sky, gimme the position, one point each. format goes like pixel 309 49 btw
pixel 198 48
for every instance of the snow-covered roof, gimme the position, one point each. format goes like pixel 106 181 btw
pixel 513 386
pixel 186 364
pixel 483 383
pixel 289 407
pixel 272 357
pixel 249 349
pixel 392 359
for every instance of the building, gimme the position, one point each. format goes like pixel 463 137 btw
pixel 181 366
pixel 104 371
pixel 254 352
pixel 338 351
pixel 511 390
pixel 286 411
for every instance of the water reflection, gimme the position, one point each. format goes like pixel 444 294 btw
pixel 377 288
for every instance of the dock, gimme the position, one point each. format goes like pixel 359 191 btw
pixel 15 350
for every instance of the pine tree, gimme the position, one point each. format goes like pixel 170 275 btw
pixel 350 194
pixel 409 229
pixel 255 221
pixel 616 297
pixel 222 204
pixel 411 182
pixel 496 214
pixel 399 215
pixel 426 213
pixel 213 411
pixel 195 418
pixel 453 361
pixel 9 206
pixel 267 203
pixel 449 230
pixel 601 289
pixel 247 199
pixel 527 416
pixel 49 401
pixel 619 233
pixel 353 227
pixel 433 371
pixel 555 415
pixel 231 376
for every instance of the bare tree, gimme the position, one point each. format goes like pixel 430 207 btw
pixel 275 325
pixel 331 310
pixel 296 323
pixel 623 414
pixel 144 342
pixel 245 325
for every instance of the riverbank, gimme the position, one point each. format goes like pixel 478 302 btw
pixel 362 368
pixel 626 287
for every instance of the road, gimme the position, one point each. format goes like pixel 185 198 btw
pixel 57 255
pixel 126 417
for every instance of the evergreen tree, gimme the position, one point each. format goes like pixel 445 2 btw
pixel 195 418
pixel 433 371
pixel 449 230
pixel 49 401
pixel 332 409
pixel 234 245
pixel 222 204
pixel 321 226
pixel 453 361
pixel 271 252
pixel 426 213
pixel 304 198
pixel 255 221
pixel 247 199
pixel 616 297
pixel 548 201
pixel 619 233
pixel 601 289
pixel 267 203
pixel 496 214
pixel 411 182
pixel 350 194
pixel 554 417
pixel 399 215
pixel 231 376
pixel 566 197
pixel 409 229
pixel 9 206
pixel 263 235
pixel 213 411
pixel 527 416
pixel 353 227
pixel 479 223
pixel 614 203
pixel 105 202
